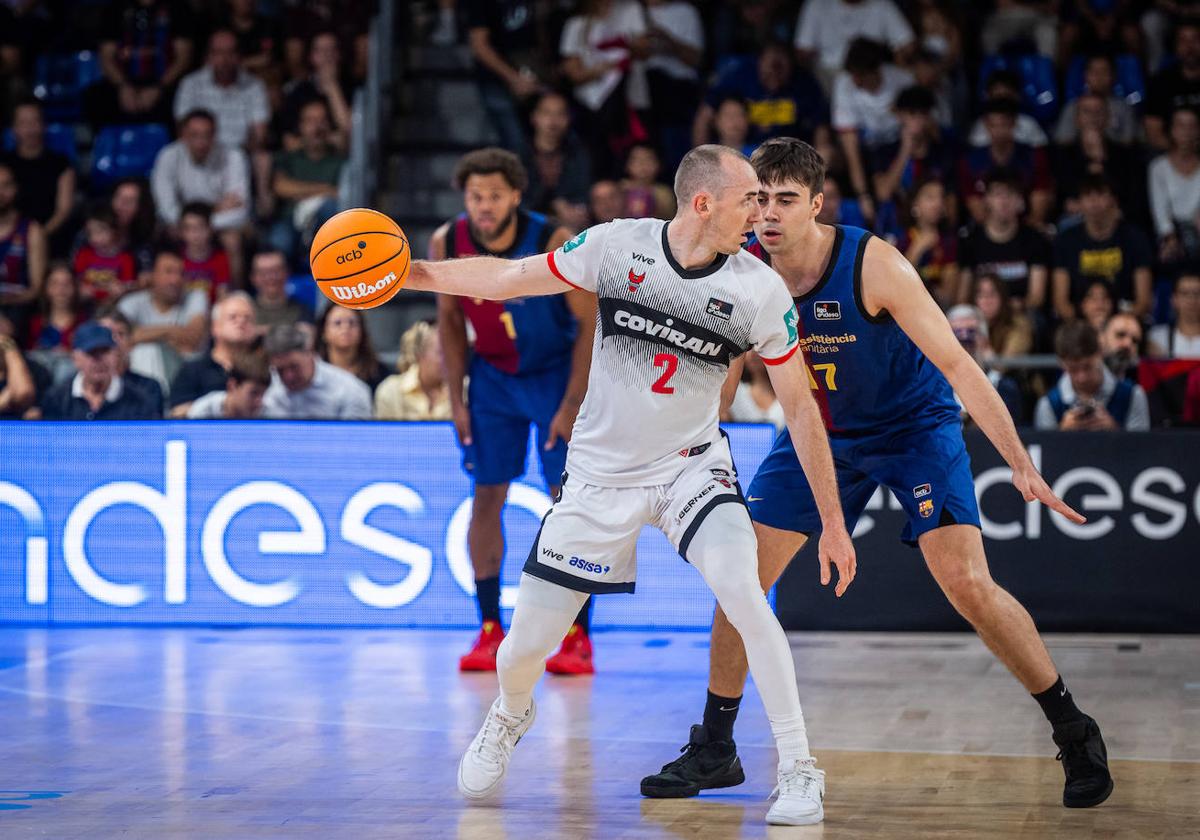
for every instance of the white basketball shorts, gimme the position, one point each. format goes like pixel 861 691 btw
pixel 588 538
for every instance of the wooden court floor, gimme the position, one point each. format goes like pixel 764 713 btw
pixel 146 733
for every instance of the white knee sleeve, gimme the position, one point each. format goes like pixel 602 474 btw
pixel 543 615
pixel 725 552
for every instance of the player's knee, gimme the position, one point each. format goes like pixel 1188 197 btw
pixel 742 601
pixel 489 499
pixel 515 652
pixel 969 591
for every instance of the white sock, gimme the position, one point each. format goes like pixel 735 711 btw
pixel 543 615
pixel 791 739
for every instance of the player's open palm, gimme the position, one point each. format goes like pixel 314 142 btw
pixel 1032 486
pixel 836 550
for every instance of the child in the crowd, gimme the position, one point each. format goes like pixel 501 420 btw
pixel 929 243
pixel 731 120
pixel 60 311
pixel 645 198
pixel 104 269
pixel 242 398
pixel 205 264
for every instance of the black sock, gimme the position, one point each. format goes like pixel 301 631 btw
pixel 584 619
pixel 487 593
pixel 1058 705
pixel 719 715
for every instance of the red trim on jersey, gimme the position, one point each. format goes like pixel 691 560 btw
pixel 782 358
pixel 557 273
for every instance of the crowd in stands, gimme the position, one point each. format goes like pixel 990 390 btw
pixel 1038 161
pixel 165 164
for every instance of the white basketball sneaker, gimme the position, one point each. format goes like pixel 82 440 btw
pixel 801 792
pixel 483 766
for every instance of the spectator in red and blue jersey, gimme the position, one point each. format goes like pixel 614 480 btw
pixel 781 99
pixel 60 312
pixel 22 255
pixel 144 51
pixel 105 270
pixel 137 222
pixel 930 244
pixel 205 264
pixel 529 367
pixel 1004 151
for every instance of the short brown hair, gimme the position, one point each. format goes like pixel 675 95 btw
pixel 788 159
pixel 1076 340
pixel 490 161
pixel 251 366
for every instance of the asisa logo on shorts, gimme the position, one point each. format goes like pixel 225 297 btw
pixel 570 246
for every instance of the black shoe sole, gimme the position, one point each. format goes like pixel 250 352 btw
pixel 1090 803
pixel 652 791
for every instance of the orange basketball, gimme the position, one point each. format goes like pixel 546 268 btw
pixel 360 258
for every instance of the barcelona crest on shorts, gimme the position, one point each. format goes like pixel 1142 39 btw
pixel 925 508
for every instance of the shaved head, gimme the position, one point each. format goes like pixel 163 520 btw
pixel 707 169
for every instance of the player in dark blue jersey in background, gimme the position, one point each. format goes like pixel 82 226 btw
pixel 529 366
pixel 884 366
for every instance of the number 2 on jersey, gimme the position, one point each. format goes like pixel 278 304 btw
pixel 670 361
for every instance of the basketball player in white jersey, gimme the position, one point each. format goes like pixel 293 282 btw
pixel 677 302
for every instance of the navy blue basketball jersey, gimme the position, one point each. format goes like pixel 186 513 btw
pixel 521 335
pixel 867 375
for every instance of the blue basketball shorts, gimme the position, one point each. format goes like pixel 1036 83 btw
pixel 927 469
pixel 502 408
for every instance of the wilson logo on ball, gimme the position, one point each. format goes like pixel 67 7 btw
pixel 362 290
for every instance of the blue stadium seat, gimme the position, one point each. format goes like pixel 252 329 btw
pixel 304 289
pixel 59 80
pixel 59 138
pixel 123 150
pixel 1040 89
pixel 1130 82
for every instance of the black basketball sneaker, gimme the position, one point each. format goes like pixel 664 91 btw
pixel 1085 762
pixel 704 765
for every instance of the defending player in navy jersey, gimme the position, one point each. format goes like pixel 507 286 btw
pixel 884 366
pixel 528 366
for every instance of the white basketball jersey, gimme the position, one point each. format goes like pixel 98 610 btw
pixel 664 339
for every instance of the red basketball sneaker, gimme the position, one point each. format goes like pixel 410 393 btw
pixel 482 657
pixel 575 655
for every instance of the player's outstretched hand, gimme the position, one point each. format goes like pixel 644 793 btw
pixel 1032 486
pixel 835 548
